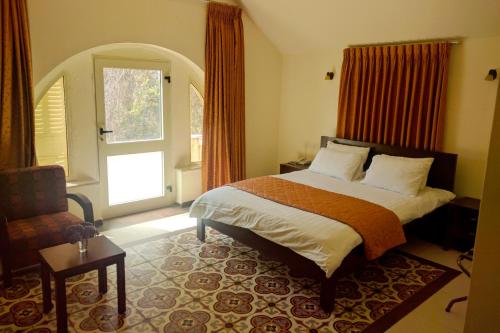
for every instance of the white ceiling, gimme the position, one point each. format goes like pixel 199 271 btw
pixel 299 26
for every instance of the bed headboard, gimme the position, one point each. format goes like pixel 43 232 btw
pixel 441 175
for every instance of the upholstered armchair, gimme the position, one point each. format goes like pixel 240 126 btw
pixel 34 214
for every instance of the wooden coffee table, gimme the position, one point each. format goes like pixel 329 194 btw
pixel 65 260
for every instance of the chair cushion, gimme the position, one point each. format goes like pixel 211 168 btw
pixel 39 232
pixel 29 192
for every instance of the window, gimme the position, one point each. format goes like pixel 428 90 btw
pixel 133 112
pixel 50 127
pixel 196 108
pixel 133 104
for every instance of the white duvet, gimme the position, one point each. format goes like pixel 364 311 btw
pixel 325 241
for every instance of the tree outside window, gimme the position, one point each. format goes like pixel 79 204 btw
pixel 196 108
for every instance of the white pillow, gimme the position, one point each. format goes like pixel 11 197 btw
pixel 399 174
pixel 336 164
pixel 363 151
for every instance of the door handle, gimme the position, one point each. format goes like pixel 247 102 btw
pixel 103 131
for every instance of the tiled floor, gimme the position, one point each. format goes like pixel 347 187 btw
pixel 178 284
pixel 134 219
pixel 135 228
pixel 429 317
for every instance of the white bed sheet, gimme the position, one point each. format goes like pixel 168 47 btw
pixel 325 241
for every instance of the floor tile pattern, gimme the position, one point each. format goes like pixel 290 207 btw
pixel 178 284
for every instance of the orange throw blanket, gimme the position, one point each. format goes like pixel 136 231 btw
pixel 379 227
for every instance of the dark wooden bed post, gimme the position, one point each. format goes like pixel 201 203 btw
pixel 200 230
pixel 327 294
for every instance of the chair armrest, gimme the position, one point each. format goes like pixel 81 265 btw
pixel 85 203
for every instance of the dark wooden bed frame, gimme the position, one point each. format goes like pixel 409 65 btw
pixel 441 175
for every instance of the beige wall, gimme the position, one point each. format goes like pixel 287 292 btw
pixel 309 106
pixel 262 90
pixel 484 302
pixel 177 25
pixel 308 103
pixel 61 29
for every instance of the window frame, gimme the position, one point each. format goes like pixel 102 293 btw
pixel 165 144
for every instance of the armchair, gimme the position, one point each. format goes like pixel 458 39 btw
pixel 34 214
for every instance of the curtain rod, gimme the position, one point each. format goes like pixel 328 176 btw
pixel 455 41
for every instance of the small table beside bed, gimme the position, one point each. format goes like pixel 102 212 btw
pixel 331 238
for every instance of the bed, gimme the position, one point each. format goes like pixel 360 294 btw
pixel 313 245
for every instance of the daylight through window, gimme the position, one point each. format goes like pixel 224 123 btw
pixel 50 127
pixel 196 107
pixel 133 104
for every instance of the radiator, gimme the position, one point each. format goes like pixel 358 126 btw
pixel 188 183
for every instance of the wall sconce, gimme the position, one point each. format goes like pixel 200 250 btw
pixel 329 75
pixel 492 75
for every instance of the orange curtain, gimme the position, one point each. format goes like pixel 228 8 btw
pixel 223 152
pixel 17 130
pixel 394 95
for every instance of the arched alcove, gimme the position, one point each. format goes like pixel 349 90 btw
pixel 128 50
pixel 80 99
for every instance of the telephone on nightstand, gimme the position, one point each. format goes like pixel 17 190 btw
pixel 303 161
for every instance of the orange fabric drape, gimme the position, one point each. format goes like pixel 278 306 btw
pixel 17 148
pixel 394 95
pixel 223 152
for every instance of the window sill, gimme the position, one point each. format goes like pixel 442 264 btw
pixel 80 182
pixel 191 166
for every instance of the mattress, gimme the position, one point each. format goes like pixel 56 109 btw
pixel 325 241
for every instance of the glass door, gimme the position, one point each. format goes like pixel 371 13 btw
pixel 131 122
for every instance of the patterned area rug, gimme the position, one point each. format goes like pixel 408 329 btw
pixel 177 284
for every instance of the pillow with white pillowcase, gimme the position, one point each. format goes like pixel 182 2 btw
pixel 363 151
pixel 338 164
pixel 399 174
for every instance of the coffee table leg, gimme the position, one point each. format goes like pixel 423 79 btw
pixel 47 302
pixel 62 316
pixel 103 280
pixel 120 281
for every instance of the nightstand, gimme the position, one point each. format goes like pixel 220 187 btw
pixel 291 166
pixel 461 223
